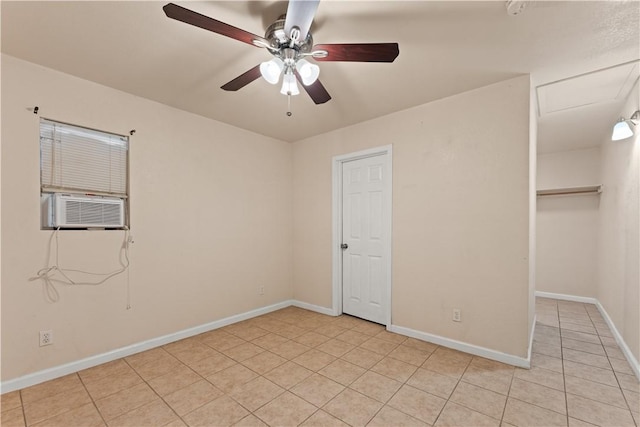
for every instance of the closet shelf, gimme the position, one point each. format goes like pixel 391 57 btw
pixel 567 191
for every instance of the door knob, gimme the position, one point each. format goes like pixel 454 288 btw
pixel 344 246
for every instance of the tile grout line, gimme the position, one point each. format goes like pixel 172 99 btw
pixel 404 383
pixel 452 391
pixel 306 419
pixel 564 378
pixel 167 403
pixel 151 388
pixel 24 416
pixel 61 413
pixel 93 401
pixel 506 401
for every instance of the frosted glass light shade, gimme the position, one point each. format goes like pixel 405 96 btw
pixel 289 85
pixel 271 70
pixel 621 130
pixel 308 72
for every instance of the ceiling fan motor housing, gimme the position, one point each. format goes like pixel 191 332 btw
pixel 280 40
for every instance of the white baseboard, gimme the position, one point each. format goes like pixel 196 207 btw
pixel 89 362
pixel 462 346
pixel 635 366
pixel 312 307
pixel 565 297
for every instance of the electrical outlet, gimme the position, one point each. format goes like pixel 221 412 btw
pixel 261 290
pixel 457 315
pixel 46 338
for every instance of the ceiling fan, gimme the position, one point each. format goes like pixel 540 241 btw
pixel 290 42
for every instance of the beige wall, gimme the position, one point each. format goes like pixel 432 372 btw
pixel 460 214
pixel 211 214
pixel 568 225
pixel 569 168
pixel 212 208
pixel 618 280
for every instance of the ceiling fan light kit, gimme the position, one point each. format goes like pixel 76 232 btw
pixel 289 41
pixel 270 70
pixel 309 72
pixel 289 85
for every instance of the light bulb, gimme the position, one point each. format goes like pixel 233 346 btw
pixel 621 130
pixel 289 85
pixel 271 70
pixel 308 72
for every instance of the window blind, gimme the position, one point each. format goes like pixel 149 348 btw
pixel 83 160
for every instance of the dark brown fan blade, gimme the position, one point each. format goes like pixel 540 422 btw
pixel 316 91
pixel 359 52
pixel 179 13
pixel 243 79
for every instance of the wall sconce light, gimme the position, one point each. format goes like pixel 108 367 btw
pixel 622 129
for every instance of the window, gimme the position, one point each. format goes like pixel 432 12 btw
pixel 83 177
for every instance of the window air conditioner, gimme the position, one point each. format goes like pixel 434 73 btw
pixel 75 211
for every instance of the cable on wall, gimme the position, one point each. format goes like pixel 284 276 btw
pixel 52 274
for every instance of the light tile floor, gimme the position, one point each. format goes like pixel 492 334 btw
pixel 295 367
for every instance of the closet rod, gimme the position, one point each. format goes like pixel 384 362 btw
pixel 591 189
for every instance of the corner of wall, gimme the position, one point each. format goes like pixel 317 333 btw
pixel 533 151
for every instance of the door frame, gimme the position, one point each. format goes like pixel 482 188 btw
pixel 336 171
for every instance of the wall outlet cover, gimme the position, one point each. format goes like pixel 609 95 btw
pixel 46 338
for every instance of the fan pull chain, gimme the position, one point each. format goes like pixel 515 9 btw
pixel 289 104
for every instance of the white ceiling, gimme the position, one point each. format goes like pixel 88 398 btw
pixel 446 47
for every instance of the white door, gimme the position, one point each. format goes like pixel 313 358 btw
pixel 364 238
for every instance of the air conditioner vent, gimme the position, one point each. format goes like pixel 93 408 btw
pixel 73 211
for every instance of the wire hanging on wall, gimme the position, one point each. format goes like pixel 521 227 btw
pixel 49 272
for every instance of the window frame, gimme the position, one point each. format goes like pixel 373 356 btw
pixel 48 190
